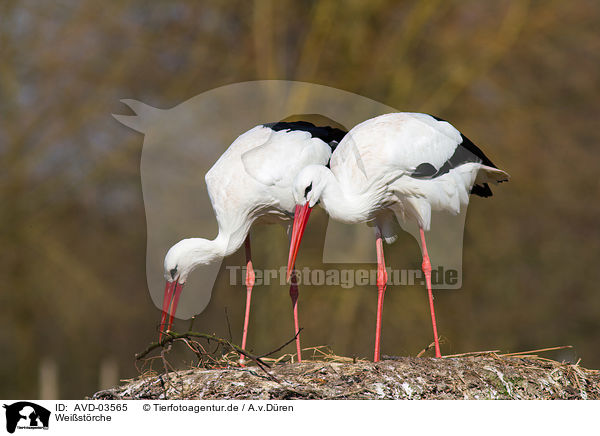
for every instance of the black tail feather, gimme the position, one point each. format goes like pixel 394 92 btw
pixel 482 190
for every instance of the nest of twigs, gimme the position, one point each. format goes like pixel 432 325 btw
pixel 220 374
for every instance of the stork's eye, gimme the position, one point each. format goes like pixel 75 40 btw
pixel 307 190
pixel 173 272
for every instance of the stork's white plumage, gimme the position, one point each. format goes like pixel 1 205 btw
pixel 250 182
pixel 398 166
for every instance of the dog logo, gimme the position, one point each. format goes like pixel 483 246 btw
pixel 26 415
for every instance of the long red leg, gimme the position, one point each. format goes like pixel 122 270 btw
pixel 294 297
pixel 250 278
pixel 381 284
pixel 427 270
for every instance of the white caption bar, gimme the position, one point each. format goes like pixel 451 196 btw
pixel 298 417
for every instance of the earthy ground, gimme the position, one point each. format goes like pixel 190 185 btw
pixel 484 376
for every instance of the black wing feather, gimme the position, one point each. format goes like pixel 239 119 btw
pixel 465 152
pixel 330 135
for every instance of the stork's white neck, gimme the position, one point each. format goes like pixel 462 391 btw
pixel 228 242
pixel 189 253
pixel 205 251
pixel 342 204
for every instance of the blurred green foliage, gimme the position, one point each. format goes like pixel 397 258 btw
pixel 519 78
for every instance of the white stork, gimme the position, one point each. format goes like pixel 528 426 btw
pixel 395 166
pixel 251 181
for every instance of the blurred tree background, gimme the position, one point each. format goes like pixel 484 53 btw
pixel 520 78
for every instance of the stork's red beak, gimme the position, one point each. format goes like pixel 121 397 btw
pixel 170 300
pixel 300 220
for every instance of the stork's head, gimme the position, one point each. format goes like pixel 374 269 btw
pixel 307 189
pixel 180 261
pixel 309 184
